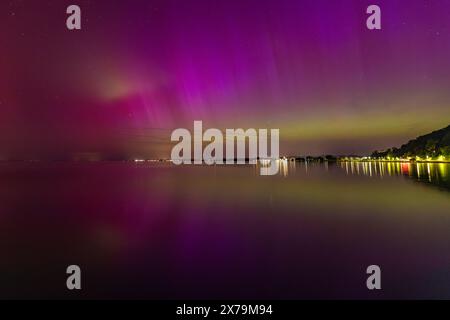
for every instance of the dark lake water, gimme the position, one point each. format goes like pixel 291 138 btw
pixel 157 231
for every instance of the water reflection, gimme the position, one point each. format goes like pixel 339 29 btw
pixel 159 231
pixel 431 173
pixel 282 166
pixel 434 173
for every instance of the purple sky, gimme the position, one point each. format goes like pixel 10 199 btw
pixel 139 69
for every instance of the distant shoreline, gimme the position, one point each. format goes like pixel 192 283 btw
pixel 301 159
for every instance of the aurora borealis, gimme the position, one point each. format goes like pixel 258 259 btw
pixel 139 69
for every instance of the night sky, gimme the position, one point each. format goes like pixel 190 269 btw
pixel 139 69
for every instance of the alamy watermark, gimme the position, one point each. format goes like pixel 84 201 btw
pixel 73 281
pixel 73 21
pixel 374 280
pixel 213 153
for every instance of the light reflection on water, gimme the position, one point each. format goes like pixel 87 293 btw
pixel 432 173
pixel 155 230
